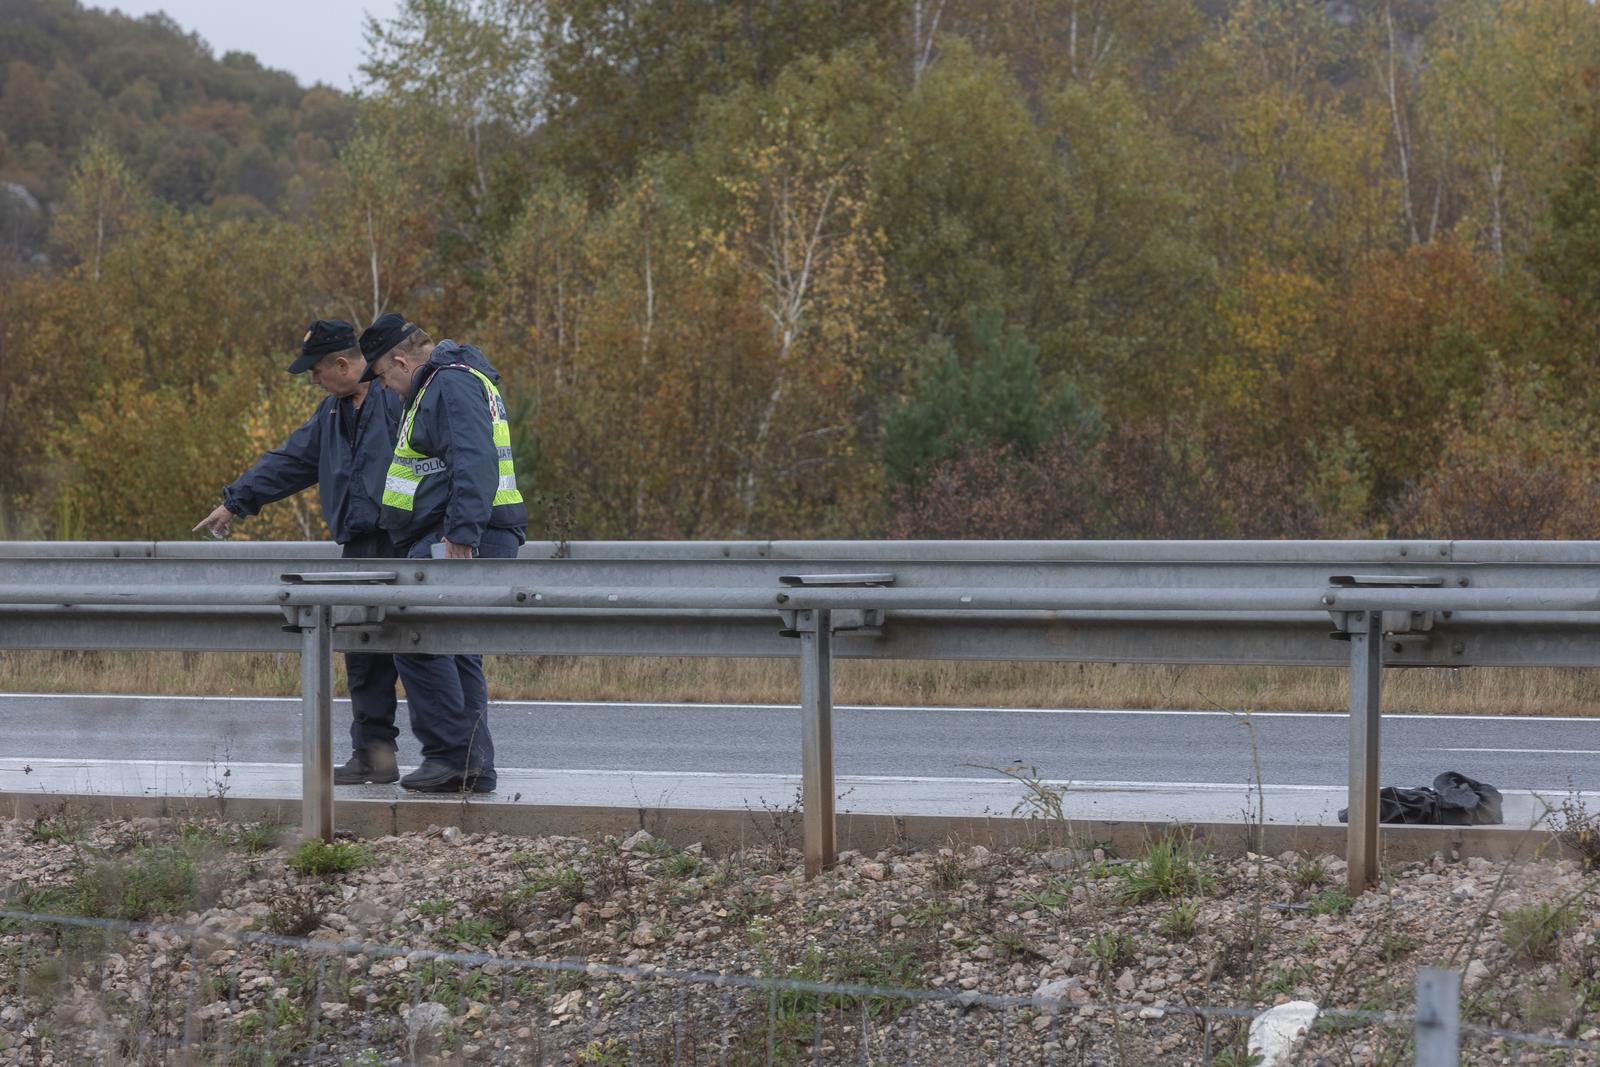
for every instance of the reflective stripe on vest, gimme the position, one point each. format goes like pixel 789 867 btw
pixel 409 467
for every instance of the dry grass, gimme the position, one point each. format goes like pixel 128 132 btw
pixel 1479 691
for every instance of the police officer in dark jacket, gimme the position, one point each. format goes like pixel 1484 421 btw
pixel 451 492
pixel 344 449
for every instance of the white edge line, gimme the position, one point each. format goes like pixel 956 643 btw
pixel 712 706
pixel 1532 751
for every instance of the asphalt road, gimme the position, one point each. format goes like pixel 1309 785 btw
pixel 1075 745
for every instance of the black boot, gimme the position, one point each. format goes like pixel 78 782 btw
pixel 437 776
pixel 367 765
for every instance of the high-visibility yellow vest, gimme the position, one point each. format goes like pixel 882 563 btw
pixel 409 466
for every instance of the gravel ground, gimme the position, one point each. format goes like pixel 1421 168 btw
pixel 1064 931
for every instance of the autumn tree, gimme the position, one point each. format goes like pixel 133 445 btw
pixel 628 80
pixel 1567 260
pixel 964 189
pixel 789 209
pixel 1502 82
pixel 373 248
pixel 1048 43
pixel 103 202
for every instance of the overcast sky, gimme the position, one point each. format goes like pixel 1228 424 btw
pixel 315 40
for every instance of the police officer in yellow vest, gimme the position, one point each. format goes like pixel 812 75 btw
pixel 451 484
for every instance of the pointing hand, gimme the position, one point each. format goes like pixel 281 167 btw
pixel 217 522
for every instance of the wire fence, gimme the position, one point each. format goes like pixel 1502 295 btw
pixel 89 990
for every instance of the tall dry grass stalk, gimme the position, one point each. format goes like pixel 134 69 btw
pixel 1476 691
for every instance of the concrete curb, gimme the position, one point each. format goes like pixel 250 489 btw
pixel 721 830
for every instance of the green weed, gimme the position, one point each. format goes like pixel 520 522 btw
pixel 1168 868
pixel 683 865
pixel 1309 874
pixel 257 836
pixel 746 906
pixel 1534 932
pixel 1110 949
pixel 1182 920
pixel 1286 980
pixel 67 825
pixel 317 857
pixel 1055 896
pixel 471 933
pixel 433 907
pixel 1331 902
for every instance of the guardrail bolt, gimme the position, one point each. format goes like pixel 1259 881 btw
pixel 521 597
pixel 1459 648
pixel 416 638
pixel 418 575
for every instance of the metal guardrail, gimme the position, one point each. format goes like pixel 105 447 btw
pixel 1423 603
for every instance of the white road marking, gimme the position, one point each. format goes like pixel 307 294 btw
pixel 1540 751
pixel 513 705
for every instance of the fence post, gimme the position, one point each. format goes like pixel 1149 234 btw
pixel 1366 707
pixel 316 725
pixel 816 737
pixel 1438 1027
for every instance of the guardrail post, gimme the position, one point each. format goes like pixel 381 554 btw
pixel 816 737
pixel 1366 707
pixel 315 623
pixel 1438 1025
pixel 316 687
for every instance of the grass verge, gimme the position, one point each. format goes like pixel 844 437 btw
pixel 1485 691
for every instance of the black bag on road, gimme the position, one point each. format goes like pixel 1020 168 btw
pixel 1454 800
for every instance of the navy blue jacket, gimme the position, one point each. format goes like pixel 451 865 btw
pixel 351 481
pixel 452 423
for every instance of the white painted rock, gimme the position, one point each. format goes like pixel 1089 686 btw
pixel 1275 1032
pixel 428 1015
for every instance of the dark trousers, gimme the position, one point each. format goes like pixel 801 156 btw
pixel 372 677
pixel 447 695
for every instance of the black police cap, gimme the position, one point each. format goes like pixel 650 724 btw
pixel 386 331
pixel 323 338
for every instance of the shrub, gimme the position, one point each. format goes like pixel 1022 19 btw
pixel 1577 829
pixel 1534 932
pixel 295 911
